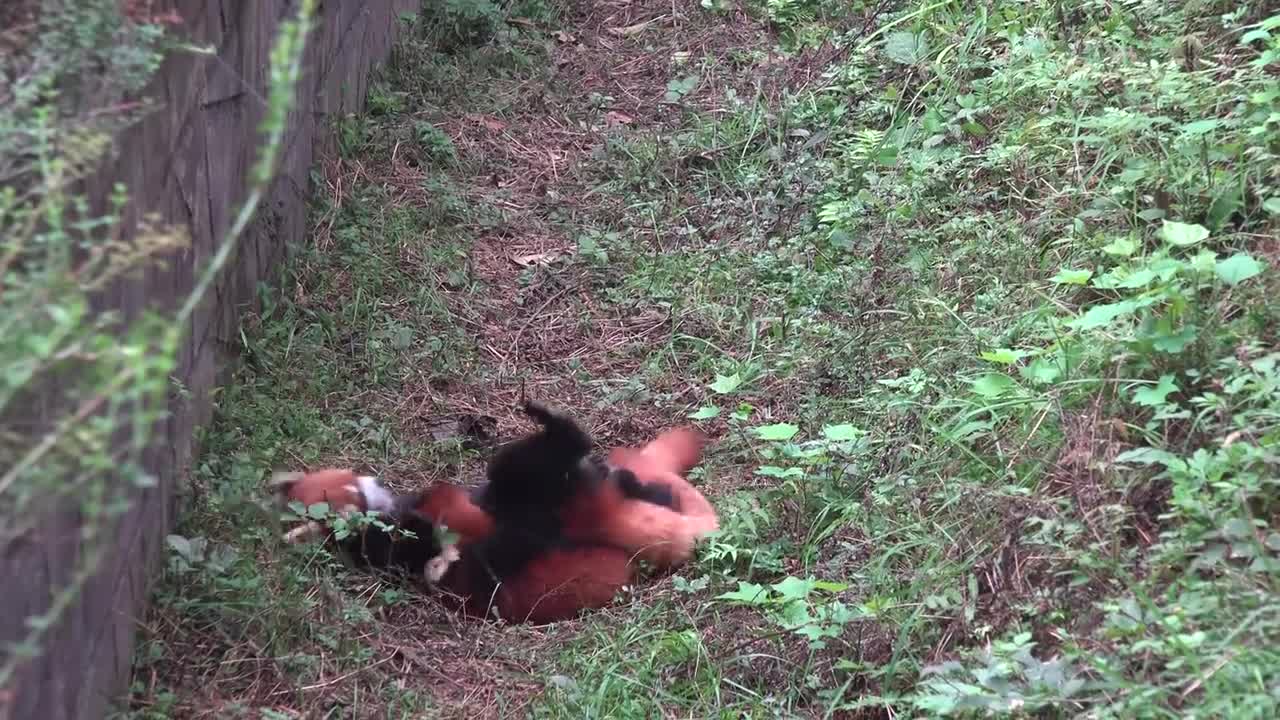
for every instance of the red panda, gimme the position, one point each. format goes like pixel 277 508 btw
pixel 553 532
pixel 523 577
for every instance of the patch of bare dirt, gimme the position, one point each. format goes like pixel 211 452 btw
pixel 540 325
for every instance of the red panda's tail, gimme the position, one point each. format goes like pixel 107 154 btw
pixel 675 451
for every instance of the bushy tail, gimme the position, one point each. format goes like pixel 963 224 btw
pixel 674 451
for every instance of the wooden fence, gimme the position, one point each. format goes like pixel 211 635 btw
pixel 188 162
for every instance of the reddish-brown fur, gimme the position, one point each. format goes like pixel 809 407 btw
pixel 557 585
pixel 661 536
pixel 333 486
pixel 665 460
pixel 451 506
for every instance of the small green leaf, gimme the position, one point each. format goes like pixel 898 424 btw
pixel 992 385
pixel 748 593
pixel 1254 36
pixel 1005 356
pixel 705 412
pixel 1148 456
pixel 1102 315
pixel 726 384
pixel 1139 279
pixel 562 682
pixel 1167 340
pixel 1204 262
pixel 318 511
pixel 906 48
pixel 831 587
pixel 1224 205
pixel 1154 396
pixel 1183 234
pixel 1072 277
pixel 842 433
pixel 1272 205
pixel 1042 370
pixel 967 431
pixel 690 586
pixel 445 536
pixel 1121 247
pixel 677 88
pixel 793 588
pixel 795 614
pixel 779 431
pixel 1238 268
pixel 1200 127
pixel 841 239
pixel 932 122
pixel 775 471
pixel 1238 529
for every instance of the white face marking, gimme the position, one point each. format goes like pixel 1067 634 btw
pixel 376 497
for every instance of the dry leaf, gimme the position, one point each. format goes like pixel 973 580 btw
pixel 614 118
pixel 494 124
pixel 636 29
pixel 542 258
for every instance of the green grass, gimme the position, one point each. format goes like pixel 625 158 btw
pixel 980 311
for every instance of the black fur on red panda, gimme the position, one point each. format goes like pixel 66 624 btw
pixel 405 545
pixel 536 476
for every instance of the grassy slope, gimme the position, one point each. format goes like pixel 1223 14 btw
pixel 989 434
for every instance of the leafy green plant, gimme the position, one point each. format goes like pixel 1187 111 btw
pixel 793 604
pixel 1005 678
pixel 433 141
pixel 460 23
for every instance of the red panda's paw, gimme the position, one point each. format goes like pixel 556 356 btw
pixel 436 568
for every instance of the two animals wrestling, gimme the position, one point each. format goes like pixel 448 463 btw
pixel 553 532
